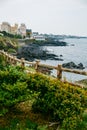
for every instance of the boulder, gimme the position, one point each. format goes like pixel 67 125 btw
pixel 80 66
pixel 72 65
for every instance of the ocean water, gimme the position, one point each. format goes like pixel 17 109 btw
pixel 76 51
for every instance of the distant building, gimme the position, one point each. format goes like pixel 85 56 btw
pixel 28 33
pixel 5 26
pixel 39 38
pixel 35 33
pixel 14 29
pixel 22 30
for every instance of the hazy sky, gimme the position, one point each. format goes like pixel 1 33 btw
pixel 47 16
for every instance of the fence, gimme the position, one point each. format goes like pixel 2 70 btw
pixel 45 68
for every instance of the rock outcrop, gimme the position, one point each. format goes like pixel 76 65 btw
pixel 35 51
pixel 72 65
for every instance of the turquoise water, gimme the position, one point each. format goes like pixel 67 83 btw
pixel 76 53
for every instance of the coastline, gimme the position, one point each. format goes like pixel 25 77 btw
pixel 34 50
pixel 68 53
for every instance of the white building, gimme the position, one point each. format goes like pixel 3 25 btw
pixel 39 38
pixel 5 26
pixel 22 30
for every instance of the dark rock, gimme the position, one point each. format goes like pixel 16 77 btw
pixel 72 65
pixel 49 43
pixel 34 51
pixel 69 65
pixel 61 55
pixel 56 58
pixel 72 45
pixel 80 65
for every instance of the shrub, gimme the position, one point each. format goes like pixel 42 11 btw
pixel 82 124
pixel 13 88
pixel 37 82
pixel 61 102
pixel 2 62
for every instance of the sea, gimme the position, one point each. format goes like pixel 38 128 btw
pixel 76 51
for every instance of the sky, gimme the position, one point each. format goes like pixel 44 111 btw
pixel 67 17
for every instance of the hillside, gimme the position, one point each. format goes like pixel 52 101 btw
pixel 8 44
pixel 38 102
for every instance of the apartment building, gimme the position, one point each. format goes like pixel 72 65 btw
pixel 14 29
pixel 5 26
pixel 22 30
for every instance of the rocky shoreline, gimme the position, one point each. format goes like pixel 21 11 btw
pixel 34 50
pixel 47 43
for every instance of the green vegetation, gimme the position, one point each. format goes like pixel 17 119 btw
pixel 41 95
pixel 83 124
pixel 8 44
pixel 17 124
pixel 61 102
pixel 10 35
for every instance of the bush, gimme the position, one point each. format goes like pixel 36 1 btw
pixel 2 62
pixel 61 102
pixel 38 82
pixel 82 124
pixel 13 88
